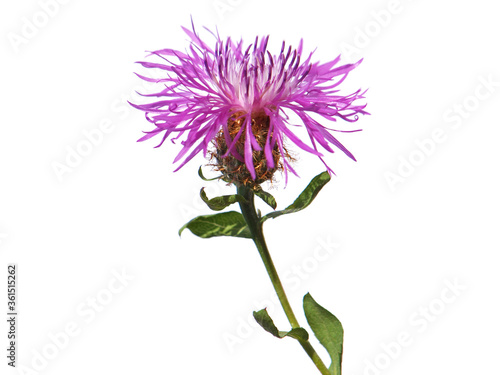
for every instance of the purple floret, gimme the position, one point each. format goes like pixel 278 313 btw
pixel 203 87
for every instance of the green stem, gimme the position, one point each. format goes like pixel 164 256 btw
pixel 255 225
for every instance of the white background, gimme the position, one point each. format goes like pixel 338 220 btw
pixel 392 251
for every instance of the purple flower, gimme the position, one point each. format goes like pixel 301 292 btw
pixel 240 99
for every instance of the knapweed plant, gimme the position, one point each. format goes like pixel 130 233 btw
pixel 241 105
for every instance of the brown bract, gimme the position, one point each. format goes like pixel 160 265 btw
pixel 234 170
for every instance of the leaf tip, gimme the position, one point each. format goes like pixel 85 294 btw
pixel 181 230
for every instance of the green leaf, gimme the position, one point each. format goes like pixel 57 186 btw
pixel 305 198
pixel 327 329
pixel 296 333
pixel 200 173
pixel 229 223
pixel 266 197
pixel 219 203
pixel 262 317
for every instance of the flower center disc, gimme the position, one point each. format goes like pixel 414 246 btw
pixel 235 170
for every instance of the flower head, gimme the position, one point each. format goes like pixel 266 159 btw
pixel 234 102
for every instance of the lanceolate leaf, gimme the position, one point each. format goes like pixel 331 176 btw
pixel 266 197
pixel 219 203
pixel 262 317
pixel 229 223
pixel 200 173
pixel 327 329
pixel 305 198
pixel 296 333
